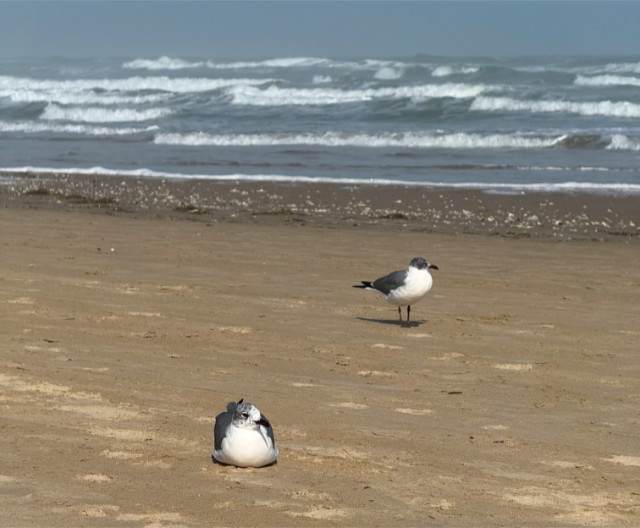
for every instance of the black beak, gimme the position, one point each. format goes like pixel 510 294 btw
pixel 433 266
pixel 263 421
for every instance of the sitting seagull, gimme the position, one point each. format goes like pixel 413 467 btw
pixel 244 437
pixel 405 287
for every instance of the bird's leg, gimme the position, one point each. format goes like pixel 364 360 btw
pixel 400 315
pixel 408 317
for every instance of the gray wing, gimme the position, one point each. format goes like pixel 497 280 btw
pixel 390 282
pixel 269 429
pixel 223 421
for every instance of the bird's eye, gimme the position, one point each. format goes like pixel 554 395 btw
pixel 245 415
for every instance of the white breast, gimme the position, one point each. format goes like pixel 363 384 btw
pixel 417 285
pixel 246 448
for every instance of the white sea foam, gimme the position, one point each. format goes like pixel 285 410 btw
pixel 614 67
pixel 132 84
pixel 292 62
pixel 339 139
pixel 321 79
pixel 445 71
pixel 29 127
pixel 94 114
pixel 163 63
pixel 79 98
pixel 276 96
pixel 602 108
pixel 387 73
pixel 622 142
pixel 281 63
pixel 310 62
pixel 564 187
pixel 623 67
pixel 607 80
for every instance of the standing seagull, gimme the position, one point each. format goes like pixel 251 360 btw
pixel 404 287
pixel 244 437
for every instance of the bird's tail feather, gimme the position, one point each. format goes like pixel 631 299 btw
pixel 365 284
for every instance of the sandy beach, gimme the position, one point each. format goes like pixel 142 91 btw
pixel 557 216
pixel 133 310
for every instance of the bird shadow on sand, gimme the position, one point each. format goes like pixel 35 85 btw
pixel 391 322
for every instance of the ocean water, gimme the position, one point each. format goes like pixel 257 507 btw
pixel 565 124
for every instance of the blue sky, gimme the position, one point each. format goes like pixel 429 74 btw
pixel 319 29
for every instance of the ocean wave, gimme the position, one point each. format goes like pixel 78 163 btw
pixel 580 69
pixel 607 80
pixel 601 108
pixel 276 96
pixel 445 71
pixel 309 62
pixel 337 139
pixel 54 112
pixel 129 84
pixel 79 98
pixel 624 67
pixel 321 79
pixel 563 187
pixel 173 63
pixel 29 127
pixel 292 62
pixel 163 63
pixel 387 73
pixel 622 142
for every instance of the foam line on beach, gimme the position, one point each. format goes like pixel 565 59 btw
pixel 563 187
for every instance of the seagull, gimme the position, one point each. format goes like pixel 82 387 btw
pixel 244 437
pixel 404 287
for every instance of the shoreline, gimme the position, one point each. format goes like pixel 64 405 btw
pixel 547 216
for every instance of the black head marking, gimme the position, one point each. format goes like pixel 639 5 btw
pixel 419 263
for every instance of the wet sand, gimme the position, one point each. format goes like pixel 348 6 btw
pixel 512 400
pixel 546 216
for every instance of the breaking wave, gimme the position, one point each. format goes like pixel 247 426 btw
pixel 54 112
pixel 622 142
pixel 276 96
pixel 601 108
pixel 445 71
pixel 607 80
pixel 387 73
pixel 624 67
pixel 163 63
pixel 28 127
pixel 337 139
pixel 293 62
pixel 17 85
pixel 79 98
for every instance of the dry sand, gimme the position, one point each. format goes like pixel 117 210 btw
pixel 513 399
